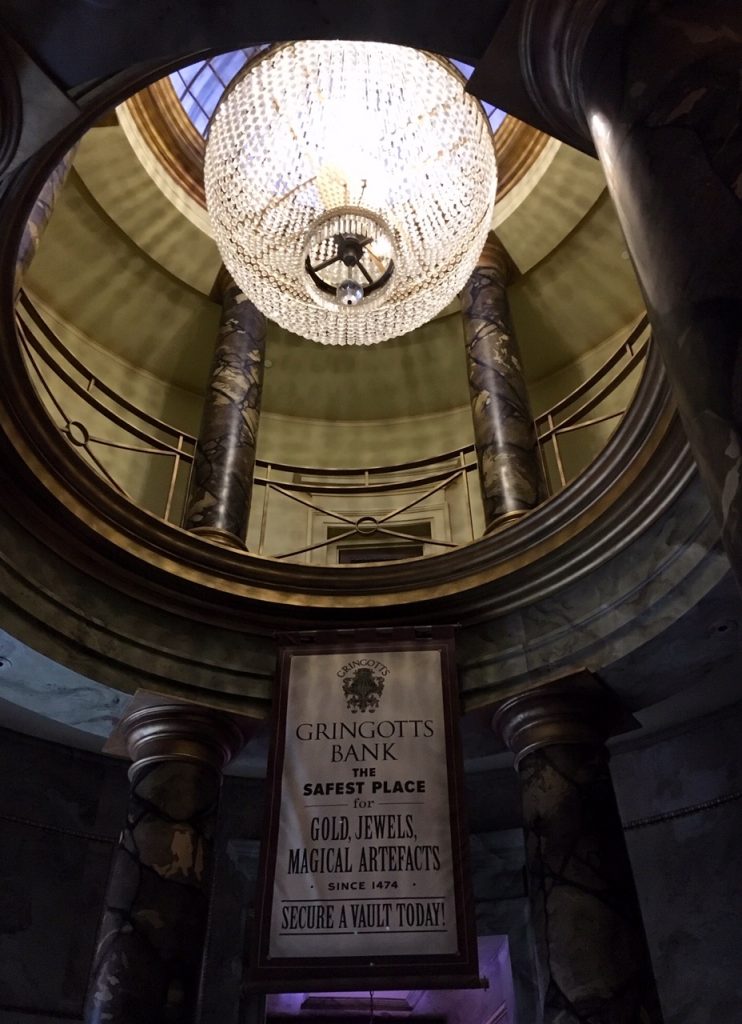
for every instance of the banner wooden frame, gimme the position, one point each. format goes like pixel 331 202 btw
pixel 351 973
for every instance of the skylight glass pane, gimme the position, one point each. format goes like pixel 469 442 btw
pixel 188 74
pixel 200 86
pixel 206 80
pixel 209 91
pixel 200 120
pixel 192 107
pixel 227 65
pixel 179 84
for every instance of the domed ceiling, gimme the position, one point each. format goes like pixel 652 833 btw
pixel 133 276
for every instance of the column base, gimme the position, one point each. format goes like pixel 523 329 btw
pixel 506 519
pixel 218 536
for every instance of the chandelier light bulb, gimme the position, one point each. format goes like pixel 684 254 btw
pixel 350 293
pixel 350 187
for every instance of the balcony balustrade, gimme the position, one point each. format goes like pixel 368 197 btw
pixel 319 514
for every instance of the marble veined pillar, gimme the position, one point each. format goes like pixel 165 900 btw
pixel 147 963
pixel 222 478
pixel 40 214
pixel 591 946
pixel 510 470
pixel 666 125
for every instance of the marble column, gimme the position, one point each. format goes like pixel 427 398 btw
pixel 592 951
pixel 40 215
pixel 218 503
pixel 657 86
pixel 147 962
pixel 510 469
pixel 671 144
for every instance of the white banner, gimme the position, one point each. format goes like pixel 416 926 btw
pixel 363 856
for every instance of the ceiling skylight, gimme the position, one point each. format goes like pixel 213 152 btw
pixel 200 86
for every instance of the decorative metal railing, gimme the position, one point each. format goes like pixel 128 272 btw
pixel 572 413
pixel 340 505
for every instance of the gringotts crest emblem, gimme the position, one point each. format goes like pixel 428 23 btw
pixel 363 689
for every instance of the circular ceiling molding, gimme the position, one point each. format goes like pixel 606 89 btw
pixel 11 112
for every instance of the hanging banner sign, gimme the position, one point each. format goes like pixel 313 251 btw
pixel 363 863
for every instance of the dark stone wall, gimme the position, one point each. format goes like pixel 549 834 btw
pixel 232 907
pixel 498 876
pixel 680 798
pixel 60 813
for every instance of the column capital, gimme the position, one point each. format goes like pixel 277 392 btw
pixel 222 282
pixel 495 255
pixel 562 43
pixel 577 708
pixel 225 290
pixel 156 728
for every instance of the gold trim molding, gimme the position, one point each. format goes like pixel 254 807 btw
pixel 164 125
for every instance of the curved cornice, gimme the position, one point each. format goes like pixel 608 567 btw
pixel 561 47
pixel 11 108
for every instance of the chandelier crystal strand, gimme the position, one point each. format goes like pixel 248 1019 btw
pixel 350 186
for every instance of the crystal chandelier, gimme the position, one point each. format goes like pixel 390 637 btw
pixel 350 187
